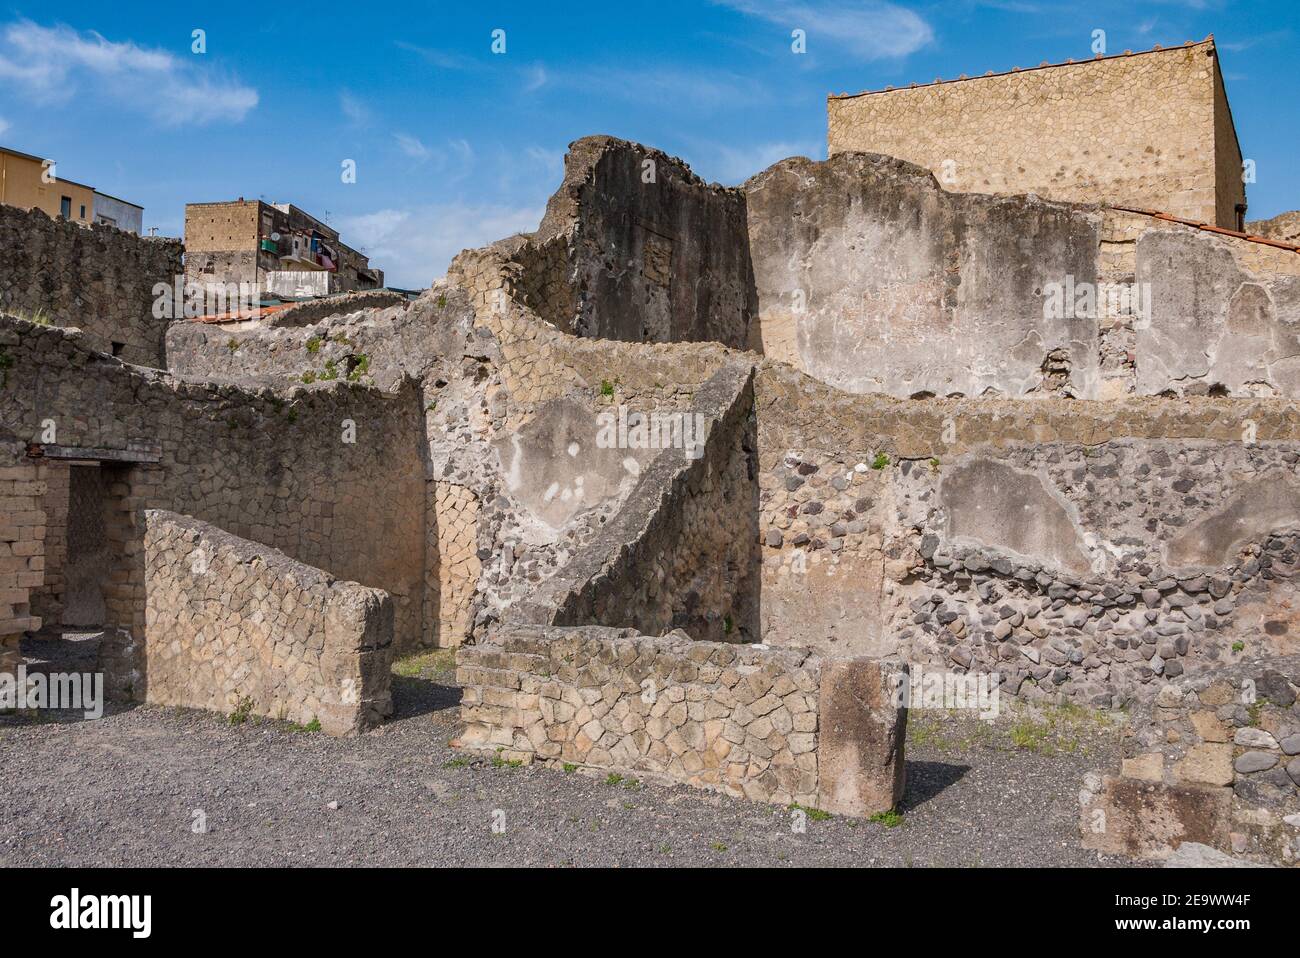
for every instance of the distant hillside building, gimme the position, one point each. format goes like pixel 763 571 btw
pixel 278 247
pixel 1149 130
pixel 23 183
pixel 117 212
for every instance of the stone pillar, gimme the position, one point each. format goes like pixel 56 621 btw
pixel 860 768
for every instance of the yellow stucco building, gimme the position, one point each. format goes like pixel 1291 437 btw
pixel 26 183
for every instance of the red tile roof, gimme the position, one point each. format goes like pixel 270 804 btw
pixel 1209 227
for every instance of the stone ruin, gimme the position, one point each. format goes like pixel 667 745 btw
pixel 692 476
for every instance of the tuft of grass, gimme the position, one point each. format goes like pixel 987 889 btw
pixel 880 462
pixel 309 377
pixel 613 778
pixel 1238 646
pixel 455 763
pixel 313 345
pixel 569 768
pixel 890 819
pixel 814 814
pixel 360 366
pixel 606 387
pixel 312 726
pixel 425 663
pixel 499 762
pixel 718 846
pixel 243 708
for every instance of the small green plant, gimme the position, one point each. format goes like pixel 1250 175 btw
pixel 1254 709
pixel 313 345
pixel 1238 646
pixel 814 814
pixel 880 462
pixel 606 387
pixel 432 406
pixel 232 344
pixel 718 846
pixel 665 848
pixel 331 370
pixel 613 778
pixel 243 708
pixel 359 367
pixel 312 726
pixel 455 763
pixel 890 819
pixel 727 624
pixel 569 768
pixel 934 465
pixel 632 785
pixel 309 377
pixel 499 762
pixel 442 301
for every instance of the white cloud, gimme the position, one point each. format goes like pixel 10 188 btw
pixel 53 63
pixel 871 29
pixel 413 247
pixel 412 146
pixel 353 108
pixel 4 125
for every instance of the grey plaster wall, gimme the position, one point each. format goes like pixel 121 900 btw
pixel 872 278
pixel 1214 326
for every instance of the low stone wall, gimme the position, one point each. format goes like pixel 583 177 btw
pixel 768 725
pixel 234 626
pixel 22 556
pixel 97 278
pixel 1214 759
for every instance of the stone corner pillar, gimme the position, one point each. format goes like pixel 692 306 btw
pixel 860 769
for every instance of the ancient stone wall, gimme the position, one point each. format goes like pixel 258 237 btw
pixel 238 627
pixel 872 278
pixel 22 537
pixel 681 552
pixel 633 247
pixel 1139 130
pixel 1087 549
pixel 768 725
pixel 332 473
pixel 97 278
pixel 1215 759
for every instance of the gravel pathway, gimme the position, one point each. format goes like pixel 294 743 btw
pixel 128 789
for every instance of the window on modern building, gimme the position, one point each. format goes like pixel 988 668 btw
pixel 65 207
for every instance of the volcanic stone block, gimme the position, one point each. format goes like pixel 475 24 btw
pixel 860 755
pixel 1141 819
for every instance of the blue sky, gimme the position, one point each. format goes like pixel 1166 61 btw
pixel 456 146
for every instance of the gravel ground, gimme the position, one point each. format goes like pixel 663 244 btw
pixel 125 789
